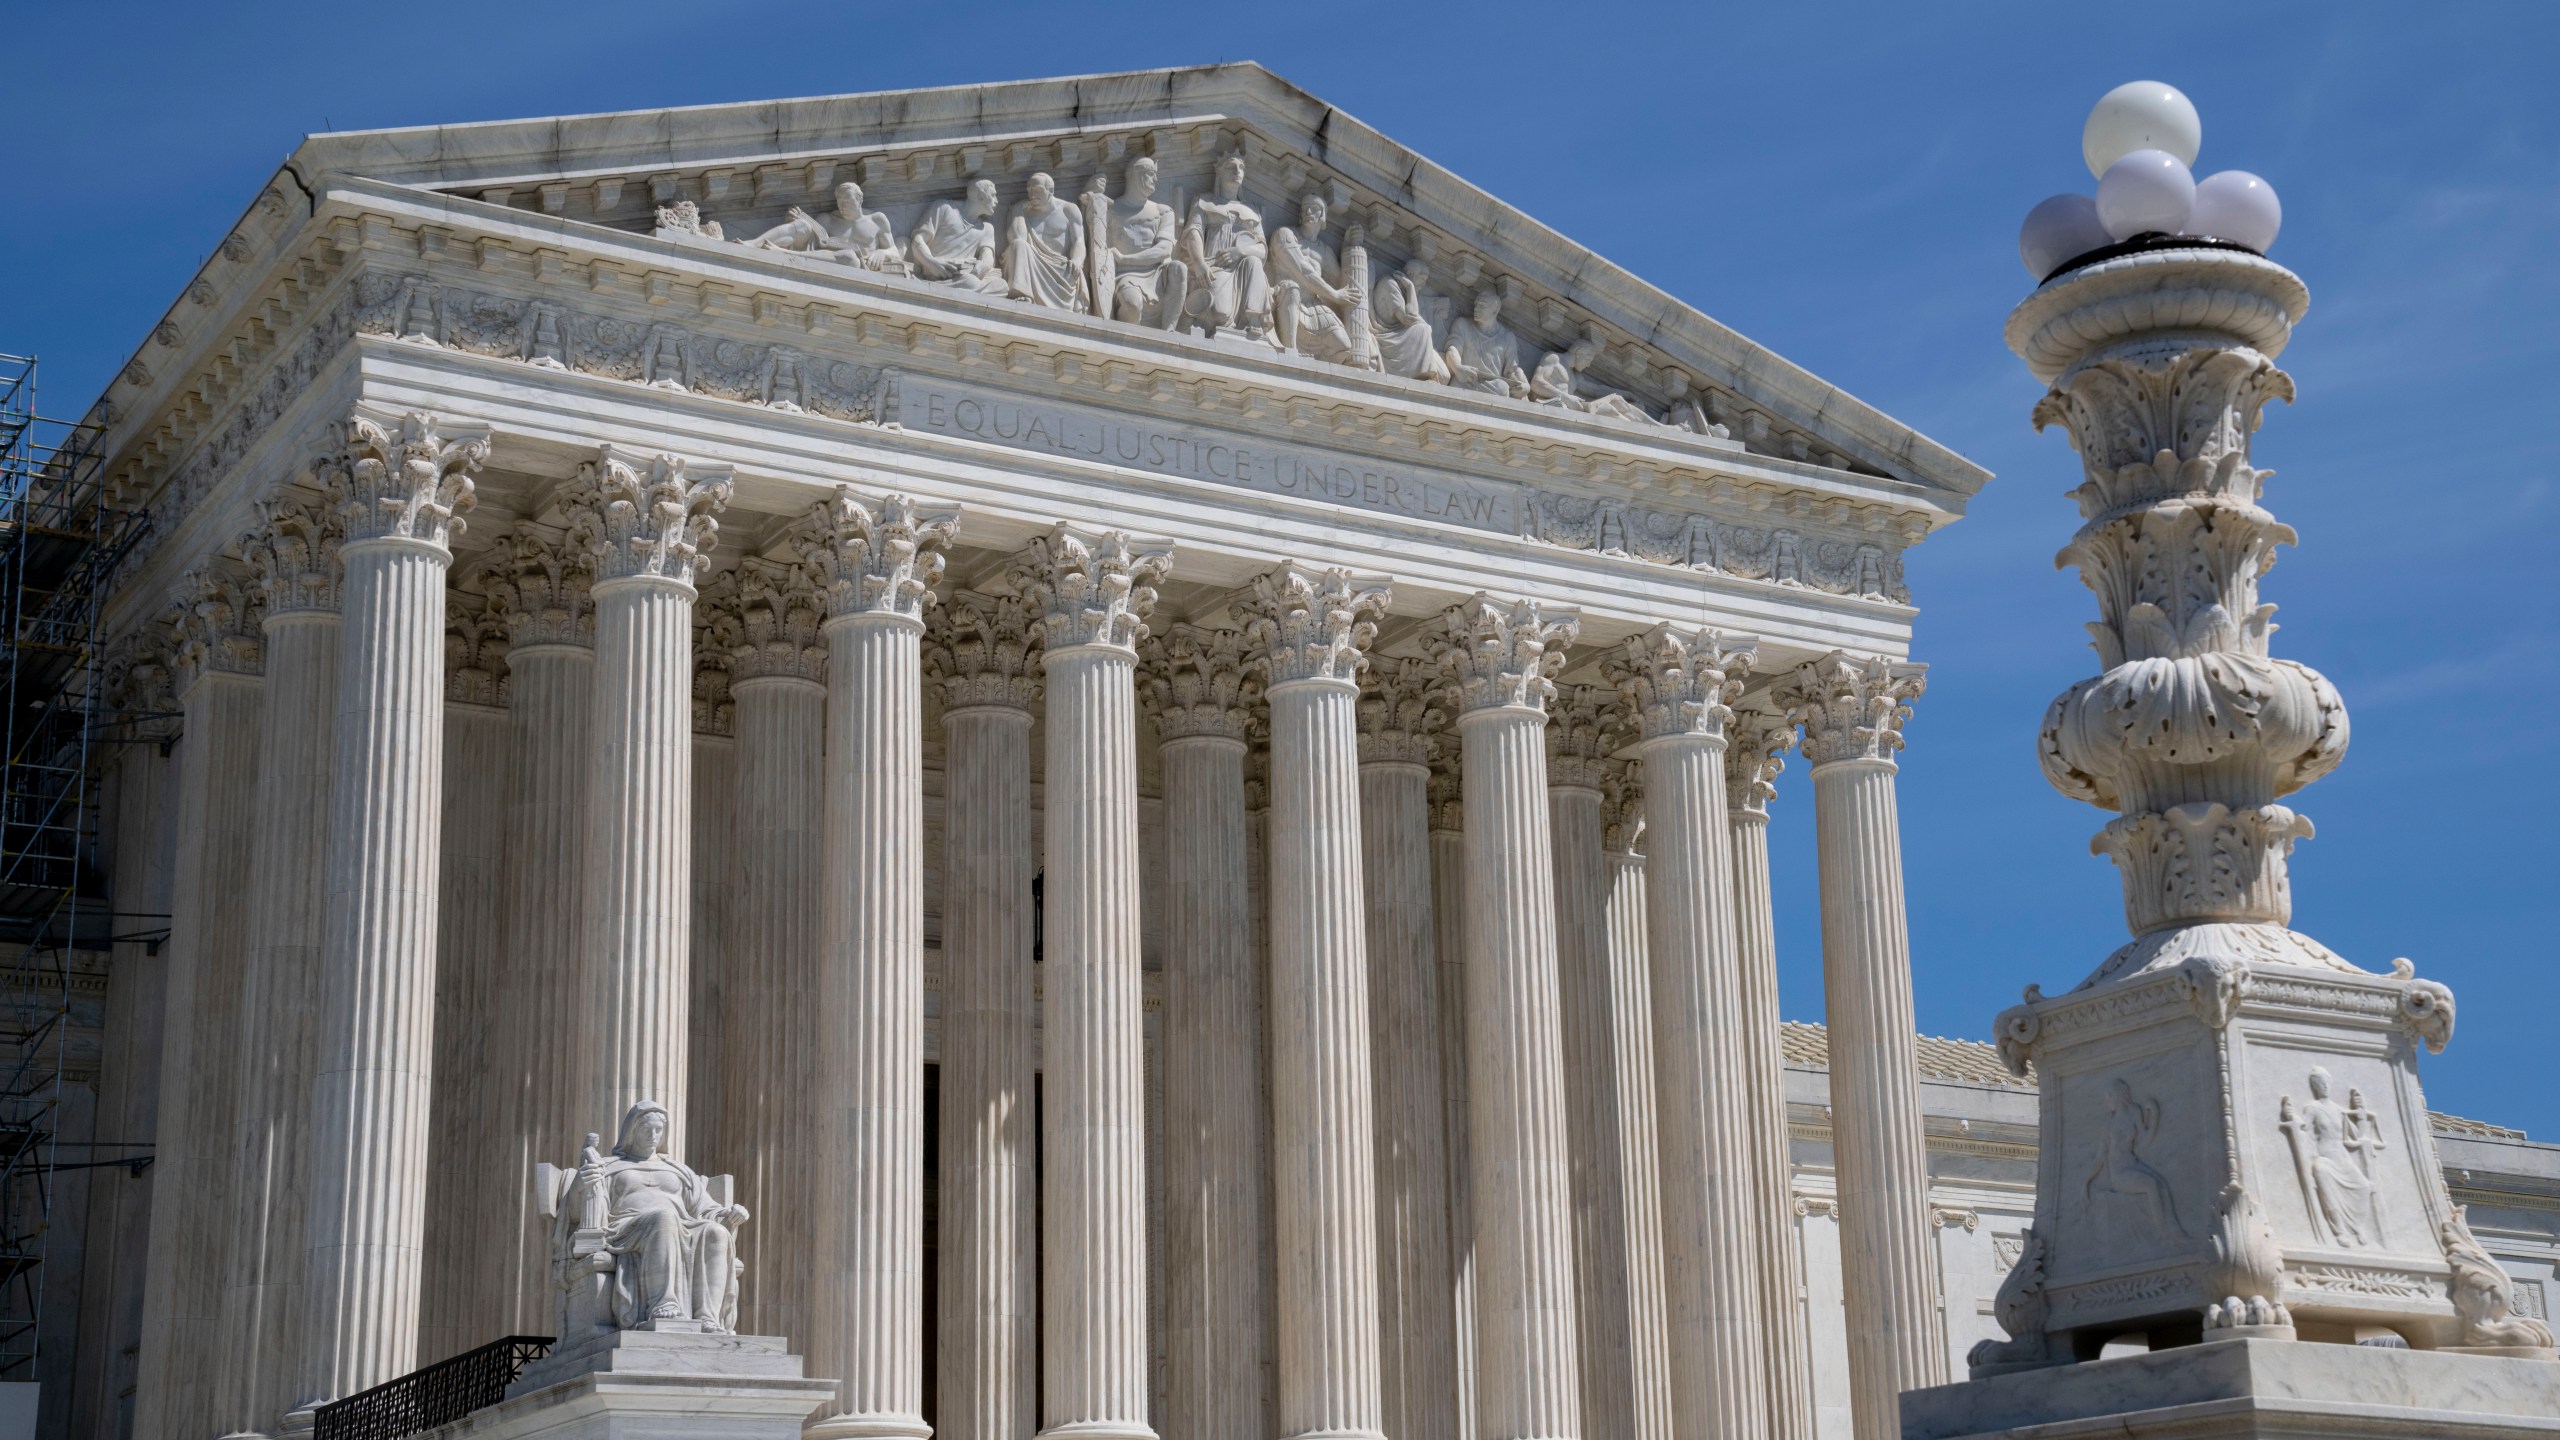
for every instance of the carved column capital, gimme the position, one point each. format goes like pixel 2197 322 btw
pixel 1399 711
pixel 646 517
pixel 404 477
pixel 141 676
pixel 718 628
pixel 1852 707
pixel 1754 754
pixel 293 553
pixel 984 653
pixel 475 652
pixel 214 612
pixel 1678 682
pixel 1621 808
pixel 1090 591
pixel 875 559
pixel 1448 807
pixel 1501 653
pixel 779 614
pixel 1200 683
pixel 542 586
pixel 1311 624
pixel 1582 728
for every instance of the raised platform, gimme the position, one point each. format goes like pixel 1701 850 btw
pixel 641 1385
pixel 2251 1390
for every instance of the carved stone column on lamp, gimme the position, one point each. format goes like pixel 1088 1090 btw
pixel 1092 596
pixel 2234 1136
pixel 1623 1344
pixel 218 657
pixel 1852 711
pixel 647 521
pixel 1500 657
pixel 294 556
pixel 986 661
pixel 541 585
pixel 1418 1359
pixel 777 682
pixel 1307 629
pixel 402 485
pixel 1677 683
pixel 1755 741
pixel 1215 1175
pixel 877 564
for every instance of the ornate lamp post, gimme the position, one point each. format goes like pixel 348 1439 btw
pixel 2234 1146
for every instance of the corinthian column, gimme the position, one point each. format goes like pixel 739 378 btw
pixel 1092 597
pixel 1631 1026
pixel 1751 765
pixel 717 631
pixel 1214 1176
pixel 1419 1376
pixel 403 485
pixel 877 566
pixel 1852 712
pixel 218 658
pixel 986 1351
pixel 777 680
pixel 537 1058
pixel 1449 944
pixel 294 554
pixel 1306 630
pixel 1603 1137
pixel 1501 657
pixel 647 521
pixel 1677 684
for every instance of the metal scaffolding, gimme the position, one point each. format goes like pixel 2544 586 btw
pixel 60 542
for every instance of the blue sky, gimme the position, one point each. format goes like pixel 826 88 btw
pixel 1840 183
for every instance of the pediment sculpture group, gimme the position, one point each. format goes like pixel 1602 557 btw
pixel 1209 267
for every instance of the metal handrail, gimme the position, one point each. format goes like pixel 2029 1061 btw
pixel 424 1399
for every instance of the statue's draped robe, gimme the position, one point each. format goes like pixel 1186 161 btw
pixel 952 249
pixel 1040 262
pixel 1486 357
pixel 673 1252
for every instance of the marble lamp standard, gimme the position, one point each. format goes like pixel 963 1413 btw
pixel 2235 1163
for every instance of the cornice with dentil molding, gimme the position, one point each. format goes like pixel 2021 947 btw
pixel 1501 654
pixel 874 559
pixel 1090 591
pixel 983 652
pixel 1851 707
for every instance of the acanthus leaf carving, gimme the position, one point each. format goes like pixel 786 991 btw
pixel 1399 711
pixel 475 652
pixel 1582 730
pixel 294 554
pixel 779 616
pixel 881 559
pixel 1311 624
pixel 1852 707
pixel 404 477
pixel 1681 682
pixel 1200 683
pixel 1095 590
pixel 650 517
pixel 1501 655
pixel 2483 1295
pixel 214 614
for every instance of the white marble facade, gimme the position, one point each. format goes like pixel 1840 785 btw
pixel 730 557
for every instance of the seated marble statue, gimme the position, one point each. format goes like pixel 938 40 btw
pixel 649 1229
pixel 1558 383
pixel 1136 276
pixel 683 220
pixel 1403 343
pixel 852 235
pixel 1229 258
pixel 1044 250
pixel 956 243
pixel 1483 353
pixel 1319 307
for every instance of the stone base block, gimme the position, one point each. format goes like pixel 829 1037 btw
pixel 2252 1390
pixel 643 1385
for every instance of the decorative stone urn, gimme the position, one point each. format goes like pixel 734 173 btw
pixel 2234 1142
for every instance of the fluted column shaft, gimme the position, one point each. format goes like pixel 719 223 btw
pixel 771 1111
pixel 1326 1181
pixel 1449 944
pixel 1631 1022
pixel 269 1150
pixel 986 1352
pixel 371 1087
pixel 710 963
pixel 1751 766
pixel 216 761
pixel 473 1186
pixel 637 929
pixel 1419 1350
pixel 1216 1184
pixel 1890 1270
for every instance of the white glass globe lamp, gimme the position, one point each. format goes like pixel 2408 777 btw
pixel 2141 115
pixel 2146 191
pixel 2059 229
pixel 2237 206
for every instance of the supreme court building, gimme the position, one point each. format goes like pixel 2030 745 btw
pixel 1148 716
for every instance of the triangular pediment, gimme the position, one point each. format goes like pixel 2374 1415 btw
pixel 743 169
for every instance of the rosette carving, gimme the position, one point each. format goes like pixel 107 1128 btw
pixel 1200 683
pixel 1090 591
pixel 1398 711
pixel 403 478
pixel 1501 654
pixel 647 517
pixel 1311 624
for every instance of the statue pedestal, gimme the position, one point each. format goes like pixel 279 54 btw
pixel 2247 1389
pixel 655 1384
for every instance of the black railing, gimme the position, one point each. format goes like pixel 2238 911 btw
pixel 424 1399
